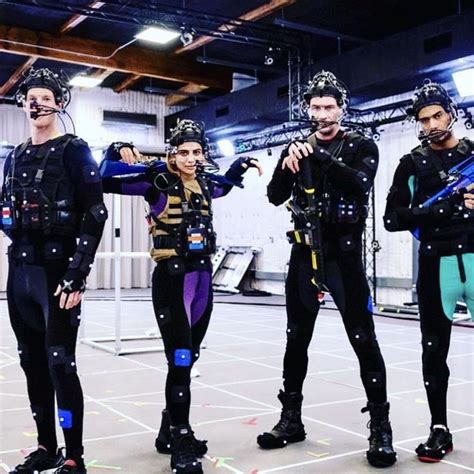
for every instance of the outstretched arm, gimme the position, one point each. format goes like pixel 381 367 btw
pixel 121 176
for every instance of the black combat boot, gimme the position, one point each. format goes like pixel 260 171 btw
pixel 163 440
pixel 183 455
pixel 380 453
pixel 290 428
pixel 440 443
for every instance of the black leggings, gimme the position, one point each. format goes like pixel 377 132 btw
pixel 46 338
pixel 182 300
pixel 348 285
pixel 436 335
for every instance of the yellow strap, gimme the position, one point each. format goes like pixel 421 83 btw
pixel 297 237
pixel 314 260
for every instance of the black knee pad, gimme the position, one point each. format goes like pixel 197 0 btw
pixel 163 316
pixel 180 394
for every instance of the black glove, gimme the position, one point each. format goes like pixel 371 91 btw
pixel 236 170
pixel 113 152
pixel 71 282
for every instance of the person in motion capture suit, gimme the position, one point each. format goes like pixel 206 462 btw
pixel 51 196
pixel 445 229
pixel 329 177
pixel 179 195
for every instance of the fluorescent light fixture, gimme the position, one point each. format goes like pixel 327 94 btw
pixel 85 81
pixel 157 35
pixel 464 81
pixel 226 147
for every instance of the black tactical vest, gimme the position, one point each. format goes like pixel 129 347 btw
pixel 338 205
pixel 185 225
pixel 431 172
pixel 38 193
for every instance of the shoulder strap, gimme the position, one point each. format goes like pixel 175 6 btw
pixel 334 147
pixel 434 158
pixel 20 149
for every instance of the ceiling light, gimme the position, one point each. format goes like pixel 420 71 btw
pixel 226 147
pixel 157 35
pixel 85 81
pixel 464 81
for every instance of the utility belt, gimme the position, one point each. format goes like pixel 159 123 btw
pixel 452 230
pixel 198 241
pixel 342 211
pixel 179 265
pixel 337 246
pixel 21 215
pixel 461 245
pixel 41 254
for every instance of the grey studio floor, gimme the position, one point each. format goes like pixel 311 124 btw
pixel 234 398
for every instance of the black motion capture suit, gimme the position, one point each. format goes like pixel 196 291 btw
pixel 51 196
pixel 343 172
pixel 446 254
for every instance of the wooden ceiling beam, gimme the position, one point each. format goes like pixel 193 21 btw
pixel 252 15
pixel 183 93
pixel 132 60
pixel 67 26
pixel 16 76
pixel 75 20
pixel 127 83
